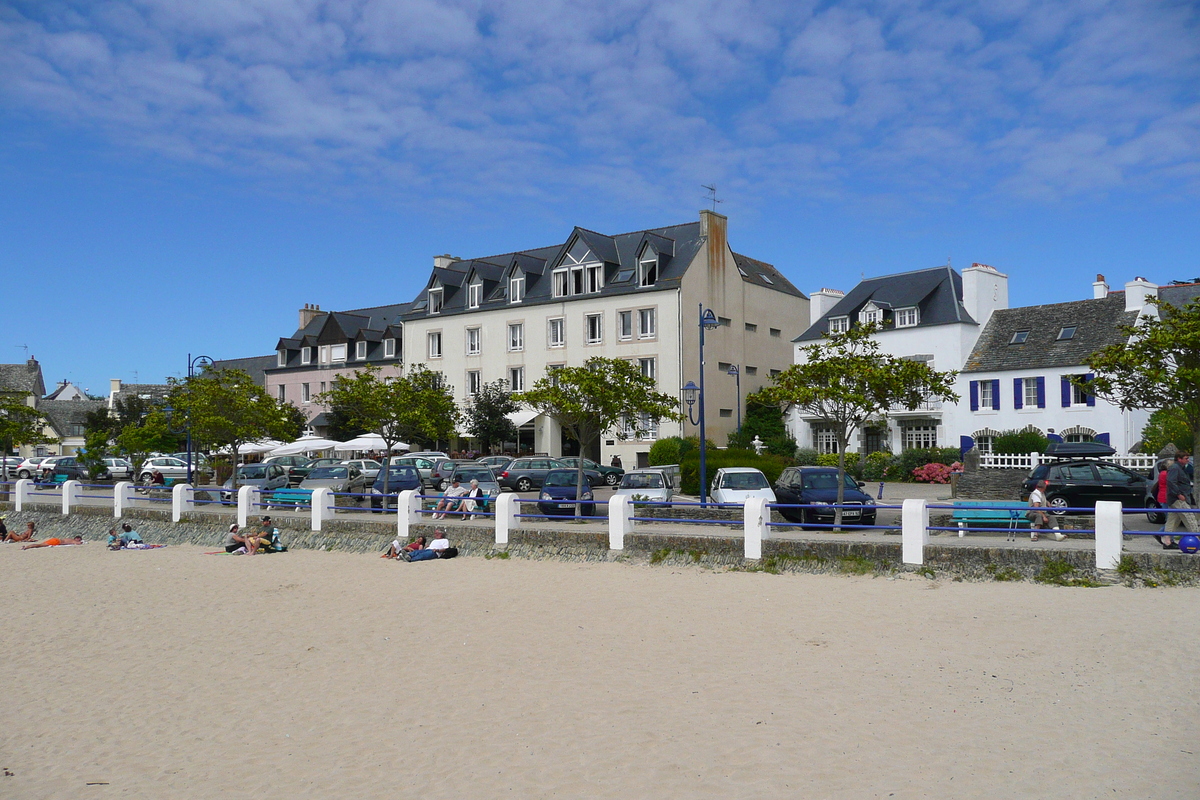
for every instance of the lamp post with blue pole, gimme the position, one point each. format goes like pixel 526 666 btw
pixel 194 364
pixel 737 374
pixel 708 321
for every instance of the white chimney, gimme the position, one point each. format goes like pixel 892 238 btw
pixel 443 261
pixel 821 302
pixel 114 385
pixel 1099 288
pixel 1136 292
pixel 985 289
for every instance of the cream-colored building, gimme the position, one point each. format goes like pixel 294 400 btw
pixel 514 317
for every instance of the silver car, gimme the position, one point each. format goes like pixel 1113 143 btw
pixel 169 466
pixel 267 477
pixel 647 484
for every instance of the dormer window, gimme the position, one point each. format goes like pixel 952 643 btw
pixel 306 355
pixel 475 294
pixel 648 268
pixel 839 324
pixel 516 288
pixel 1019 337
pixel 561 278
pixel 579 273
pixel 870 315
pixel 281 357
pixel 1066 332
pixel 338 352
pixel 435 301
pixel 907 317
pixel 595 278
pixel 360 351
pixel 389 348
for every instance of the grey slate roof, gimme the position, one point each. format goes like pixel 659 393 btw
pixel 936 292
pixel 760 273
pixel 1097 325
pixel 147 391
pixel 24 378
pixel 256 366
pixel 1179 293
pixel 63 413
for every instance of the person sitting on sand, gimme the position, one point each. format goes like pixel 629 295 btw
pixel 114 540
pixel 235 542
pixel 451 501
pixel 395 548
pixel 54 543
pixel 437 549
pixel 129 535
pixel 27 536
pixel 3 530
pixel 267 540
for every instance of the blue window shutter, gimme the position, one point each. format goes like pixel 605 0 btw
pixel 1091 398
pixel 1041 391
pixel 965 443
pixel 1103 439
pixel 974 395
pixel 1054 437
pixel 996 395
pixel 1018 392
pixel 1066 392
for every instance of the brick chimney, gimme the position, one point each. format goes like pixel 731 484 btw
pixel 309 313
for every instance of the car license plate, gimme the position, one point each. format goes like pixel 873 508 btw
pixel 851 512
pixel 566 505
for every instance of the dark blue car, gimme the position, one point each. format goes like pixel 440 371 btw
pixel 400 478
pixel 817 487
pixel 559 484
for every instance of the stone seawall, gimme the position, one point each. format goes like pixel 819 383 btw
pixel 590 544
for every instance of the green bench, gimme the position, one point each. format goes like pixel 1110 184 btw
pixel 1010 514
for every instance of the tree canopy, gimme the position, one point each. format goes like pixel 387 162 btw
pixel 764 419
pixel 1158 366
pixel 487 416
pixel 847 382
pixel 19 424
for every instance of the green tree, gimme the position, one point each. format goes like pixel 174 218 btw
pixel 764 419
pixel 847 382
pixel 226 408
pixel 137 439
pixel 602 395
pixel 19 424
pixel 487 416
pixel 1166 427
pixel 1157 366
pixel 432 398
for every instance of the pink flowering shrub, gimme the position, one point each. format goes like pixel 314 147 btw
pixel 932 473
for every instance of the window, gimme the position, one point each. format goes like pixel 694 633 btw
pixel 516 337
pixel 825 440
pixel 724 322
pixel 723 366
pixel 552 373
pixel 648 268
pixel 516 288
pixel 1030 390
pixel 282 392
pixel 906 317
pixel 1076 438
pixel 577 280
pixel 556 333
pixel 306 355
pixel 836 325
pixel 474 294
pixel 435 301
pixel 516 379
pixel 647 323
pixel 389 348
pixel 435 344
pixel 777 333
pixel 473 342
pixel 337 352
pixel 560 283
pixel 774 373
pixel 1066 332
pixel 751 327
pixel 649 426
pixel 918 437
pixel 1078 396
pixel 624 325
pixel 868 316
pixel 323 354
pixel 474 382
pixel 305 393
pixel 593 326
pixel 986 399
pixel 984 443
pixel 595 278
pixel 1019 337
pixel 766 278
pixel 726 412
pixel 281 358
pixel 649 368
pixel 751 370
pixel 360 350
pixel 322 387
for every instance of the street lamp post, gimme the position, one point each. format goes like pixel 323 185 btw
pixel 708 321
pixel 737 374
pixel 193 364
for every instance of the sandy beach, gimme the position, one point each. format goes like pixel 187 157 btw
pixel 174 674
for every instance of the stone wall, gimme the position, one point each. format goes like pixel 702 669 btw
pixel 991 484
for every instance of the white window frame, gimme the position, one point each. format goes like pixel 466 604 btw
pixel 360 351
pixel 839 324
pixel 914 437
pixel 305 393
pixel 436 299
pixel 596 322
pixel 987 402
pixel 624 326
pixel 646 265
pixel 1029 392
pixel 647 323
pixel 323 353
pixel 824 440
pixel 474 341
pixel 306 355
pixel 578 281
pixel 1079 396
pixel 434 343
pixel 562 282
pixel 474 294
pixel 282 393
pixel 556 325
pixel 516 337
pixel 516 288
pixel 594 280
pixel 869 315
pixel 649 367
pixel 281 357
pixel 337 352
pixel 516 379
pixel 649 426
pixel 389 348
pixel 907 317
pixel 474 382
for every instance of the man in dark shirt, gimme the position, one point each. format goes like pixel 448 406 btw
pixel 1179 495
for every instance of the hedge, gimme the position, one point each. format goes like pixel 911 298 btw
pixel 689 468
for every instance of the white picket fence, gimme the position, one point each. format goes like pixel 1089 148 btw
pixel 1031 460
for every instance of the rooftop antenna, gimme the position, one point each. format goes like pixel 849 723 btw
pixel 712 194
pixel 26 348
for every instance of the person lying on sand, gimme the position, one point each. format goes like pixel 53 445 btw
pixel 54 543
pixel 27 536
pixel 437 549
pixel 395 548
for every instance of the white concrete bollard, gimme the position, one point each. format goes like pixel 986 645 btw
pixel 248 499
pixel 914 531
pixel 24 487
pixel 755 516
pixel 183 500
pixel 70 495
pixel 620 509
pixel 122 498
pixel 1110 527
pixel 408 513
pixel 507 509
pixel 322 498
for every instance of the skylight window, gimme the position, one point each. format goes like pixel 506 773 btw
pixel 765 278
pixel 623 276
pixel 1067 332
pixel 744 275
pixel 1019 337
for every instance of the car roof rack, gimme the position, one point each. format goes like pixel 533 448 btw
pixel 1079 450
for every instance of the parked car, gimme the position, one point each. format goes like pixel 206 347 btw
pixel 652 484
pixel 296 467
pixel 423 465
pixel 527 473
pixel 338 478
pixel 10 466
pixel 432 455
pixel 33 466
pixel 369 467
pixel 497 463
pixel 610 475
pixel 172 469
pixel 465 473
pixel 200 462
pixel 558 486
pixel 400 478
pixel 818 487
pixel 119 468
pixel 1080 483
pixel 267 477
pixel 68 468
pixel 443 469
pixel 739 484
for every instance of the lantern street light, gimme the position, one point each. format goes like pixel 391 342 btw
pixel 737 374
pixel 692 393
pixel 194 364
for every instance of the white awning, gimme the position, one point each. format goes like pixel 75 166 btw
pixel 522 417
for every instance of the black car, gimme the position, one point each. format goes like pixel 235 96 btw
pixel 1081 482
pixel 818 487
pixel 400 478
pixel 69 469
pixel 524 474
pixel 611 475
pixel 558 494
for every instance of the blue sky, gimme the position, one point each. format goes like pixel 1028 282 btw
pixel 182 177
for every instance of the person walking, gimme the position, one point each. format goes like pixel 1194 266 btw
pixel 1179 492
